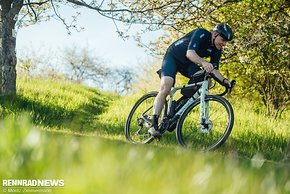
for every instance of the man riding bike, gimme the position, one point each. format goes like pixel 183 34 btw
pixel 186 56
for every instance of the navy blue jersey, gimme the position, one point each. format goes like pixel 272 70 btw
pixel 198 40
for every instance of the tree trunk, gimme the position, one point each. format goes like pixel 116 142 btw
pixel 9 13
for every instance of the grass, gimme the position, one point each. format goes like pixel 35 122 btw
pixel 66 131
pixel 55 105
pixel 252 133
pixel 97 165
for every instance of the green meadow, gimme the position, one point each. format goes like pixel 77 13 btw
pixel 64 131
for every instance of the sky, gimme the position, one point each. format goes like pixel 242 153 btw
pixel 99 34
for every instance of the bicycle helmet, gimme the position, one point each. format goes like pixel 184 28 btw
pixel 224 31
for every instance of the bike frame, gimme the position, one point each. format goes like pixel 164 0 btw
pixel 170 116
pixel 202 93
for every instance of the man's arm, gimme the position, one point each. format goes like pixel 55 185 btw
pixel 219 76
pixel 193 56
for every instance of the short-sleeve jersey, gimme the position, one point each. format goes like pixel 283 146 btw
pixel 198 40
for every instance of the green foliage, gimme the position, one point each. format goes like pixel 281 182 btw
pixel 259 56
pixel 261 43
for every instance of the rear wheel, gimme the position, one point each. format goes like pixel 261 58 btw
pixel 139 120
pixel 190 133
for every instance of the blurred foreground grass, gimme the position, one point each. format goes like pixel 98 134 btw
pixel 93 165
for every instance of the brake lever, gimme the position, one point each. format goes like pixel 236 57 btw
pixel 233 84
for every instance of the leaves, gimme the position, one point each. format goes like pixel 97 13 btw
pixel 261 62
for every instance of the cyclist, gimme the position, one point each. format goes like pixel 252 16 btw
pixel 186 56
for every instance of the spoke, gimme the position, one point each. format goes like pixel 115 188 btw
pixel 218 116
pixel 192 134
pixel 221 125
pixel 215 111
pixel 140 120
pixel 147 110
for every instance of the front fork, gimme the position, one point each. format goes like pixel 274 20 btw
pixel 205 123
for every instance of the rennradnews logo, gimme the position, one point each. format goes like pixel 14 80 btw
pixel 30 185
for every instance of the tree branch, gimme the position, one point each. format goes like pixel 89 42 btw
pixel 36 3
pixel 30 6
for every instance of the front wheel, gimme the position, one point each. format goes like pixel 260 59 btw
pixel 139 120
pixel 192 134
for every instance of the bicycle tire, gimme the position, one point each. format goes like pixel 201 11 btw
pixel 136 128
pixel 189 133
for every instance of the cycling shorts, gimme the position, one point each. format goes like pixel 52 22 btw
pixel 170 67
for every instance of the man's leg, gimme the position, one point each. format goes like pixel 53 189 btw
pixel 165 87
pixel 168 72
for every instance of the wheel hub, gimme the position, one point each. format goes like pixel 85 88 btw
pixel 206 127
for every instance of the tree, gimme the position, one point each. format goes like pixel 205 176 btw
pixel 82 66
pixel 259 56
pixel 122 80
pixel 9 11
pixel 26 12
pixel 265 19
pixel 155 14
pixel 261 62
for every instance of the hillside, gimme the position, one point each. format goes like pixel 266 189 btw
pixel 66 131
pixel 73 108
pixel 57 105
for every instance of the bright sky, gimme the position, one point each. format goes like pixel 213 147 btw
pixel 99 35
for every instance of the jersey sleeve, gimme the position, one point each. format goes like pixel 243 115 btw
pixel 215 59
pixel 197 39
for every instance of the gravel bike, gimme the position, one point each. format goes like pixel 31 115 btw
pixel 203 122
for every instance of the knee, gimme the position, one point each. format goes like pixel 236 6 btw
pixel 165 89
pixel 165 86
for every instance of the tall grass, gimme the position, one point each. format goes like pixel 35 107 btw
pixel 32 147
pixel 56 105
pixel 253 132
pixel 71 108
pixel 96 165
